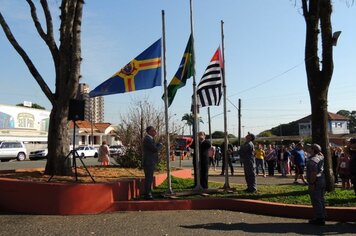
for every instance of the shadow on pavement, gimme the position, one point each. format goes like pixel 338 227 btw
pixel 298 228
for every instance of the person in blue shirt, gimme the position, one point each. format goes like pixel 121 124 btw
pixel 298 158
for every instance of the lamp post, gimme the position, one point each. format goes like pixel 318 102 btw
pixel 209 121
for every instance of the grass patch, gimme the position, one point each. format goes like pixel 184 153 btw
pixel 286 194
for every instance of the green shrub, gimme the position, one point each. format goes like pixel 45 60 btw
pixel 129 160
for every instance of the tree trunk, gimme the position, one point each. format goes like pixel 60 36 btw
pixel 58 143
pixel 320 136
pixel 67 81
pixel 67 61
pixel 317 15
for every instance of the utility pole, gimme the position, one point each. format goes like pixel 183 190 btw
pixel 239 122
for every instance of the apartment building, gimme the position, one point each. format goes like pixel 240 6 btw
pixel 94 107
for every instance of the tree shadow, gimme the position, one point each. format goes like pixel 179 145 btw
pixel 298 228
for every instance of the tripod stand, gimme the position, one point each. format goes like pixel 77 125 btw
pixel 74 154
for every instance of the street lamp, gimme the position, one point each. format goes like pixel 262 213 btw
pixel 209 121
pixel 218 114
pixel 335 37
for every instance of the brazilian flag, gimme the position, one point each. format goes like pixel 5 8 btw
pixel 184 72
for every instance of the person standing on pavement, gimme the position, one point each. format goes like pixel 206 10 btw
pixel 335 156
pixel 271 158
pixel 212 154
pixel 150 159
pixel 229 158
pixel 260 156
pixel 217 155
pixel 316 181
pixel 352 152
pixel 104 154
pixel 298 157
pixel 204 146
pixel 343 170
pixel 284 156
pixel 246 153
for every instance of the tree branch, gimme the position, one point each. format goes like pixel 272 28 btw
pixel 76 40
pixel 37 76
pixel 49 23
pixel 36 20
pixel 305 9
pixel 47 37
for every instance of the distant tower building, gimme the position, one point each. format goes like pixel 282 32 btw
pixel 97 106
pixel 94 107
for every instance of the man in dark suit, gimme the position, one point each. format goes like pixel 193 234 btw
pixel 150 159
pixel 247 155
pixel 204 146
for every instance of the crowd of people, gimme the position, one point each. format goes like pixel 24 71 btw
pixel 283 159
pixel 307 161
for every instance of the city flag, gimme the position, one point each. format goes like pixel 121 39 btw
pixel 184 72
pixel 143 72
pixel 209 90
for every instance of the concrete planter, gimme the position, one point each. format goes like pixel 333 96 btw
pixel 72 198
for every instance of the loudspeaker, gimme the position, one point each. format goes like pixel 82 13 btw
pixel 76 109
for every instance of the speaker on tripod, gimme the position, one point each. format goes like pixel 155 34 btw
pixel 76 110
pixel 75 113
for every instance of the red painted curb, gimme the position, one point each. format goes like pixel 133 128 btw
pixel 342 214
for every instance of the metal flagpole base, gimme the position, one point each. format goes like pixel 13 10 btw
pixel 169 191
pixel 228 189
pixel 198 188
pixel 226 186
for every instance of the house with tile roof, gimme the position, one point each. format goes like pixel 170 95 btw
pixel 87 133
pixel 337 124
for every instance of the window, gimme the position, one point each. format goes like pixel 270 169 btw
pixel 338 124
pixel 305 127
pixel 26 120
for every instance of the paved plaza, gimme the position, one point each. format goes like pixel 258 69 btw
pixel 212 222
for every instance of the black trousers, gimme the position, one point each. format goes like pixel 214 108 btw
pixel 270 165
pixel 149 171
pixel 204 172
pixel 229 162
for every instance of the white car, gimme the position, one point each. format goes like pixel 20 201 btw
pixel 116 150
pixel 12 150
pixel 38 154
pixel 87 151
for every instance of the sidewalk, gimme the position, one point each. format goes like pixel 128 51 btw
pixel 170 223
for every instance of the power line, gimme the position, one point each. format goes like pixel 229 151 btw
pixel 268 80
pixel 272 78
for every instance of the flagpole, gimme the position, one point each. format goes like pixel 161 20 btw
pixel 169 190
pixel 209 121
pixel 195 109
pixel 226 185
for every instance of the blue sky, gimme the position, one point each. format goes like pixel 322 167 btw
pixel 264 53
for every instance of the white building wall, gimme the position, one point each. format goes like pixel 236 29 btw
pixel 339 127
